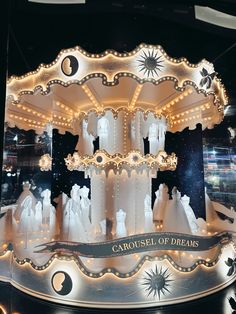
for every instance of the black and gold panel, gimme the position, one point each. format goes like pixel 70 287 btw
pixel 62 283
pixel 69 65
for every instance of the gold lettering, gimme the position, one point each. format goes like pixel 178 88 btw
pixel 153 242
pixel 125 246
pixel 178 241
pixel 120 248
pixel 131 245
pixel 196 243
pixel 167 240
pixel 148 242
pixel 142 243
pixel 115 249
pixel 137 244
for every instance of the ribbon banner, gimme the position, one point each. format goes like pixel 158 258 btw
pixel 137 244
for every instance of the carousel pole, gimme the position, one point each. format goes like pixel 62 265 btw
pixel 4 26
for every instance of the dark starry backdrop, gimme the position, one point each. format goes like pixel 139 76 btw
pixel 189 174
pixel 63 179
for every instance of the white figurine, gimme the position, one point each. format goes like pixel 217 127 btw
pixel 26 192
pixel 103 132
pixel 103 127
pixel 26 222
pixel 73 228
pixel 162 132
pixel 85 142
pixel 120 224
pixel 148 214
pixel 85 204
pixel 153 139
pixel 75 195
pixel 161 200
pixel 53 225
pixel 136 132
pixel 190 214
pixel 38 216
pixel 46 194
pixel 175 219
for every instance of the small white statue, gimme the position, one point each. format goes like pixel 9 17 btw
pixel 161 200
pixel 175 219
pixel 38 216
pixel 148 214
pixel 73 228
pixel 85 142
pixel 162 133
pixel 26 192
pixel 53 225
pixel 27 216
pixel 153 139
pixel 103 127
pixel 190 214
pixel 120 224
pixel 85 204
pixel 153 132
pixel 75 195
pixel 46 194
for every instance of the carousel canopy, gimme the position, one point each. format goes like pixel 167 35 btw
pixel 146 79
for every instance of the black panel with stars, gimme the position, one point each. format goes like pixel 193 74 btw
pixel 189 175
pixel 63 179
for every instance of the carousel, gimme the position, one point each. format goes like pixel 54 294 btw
pixel 85 138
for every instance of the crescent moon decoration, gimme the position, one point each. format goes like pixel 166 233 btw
pixel 61 283
pixel 157 282
pixel 69 65
pixel 150 63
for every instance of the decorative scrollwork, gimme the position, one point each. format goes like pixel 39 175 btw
pixel 134 159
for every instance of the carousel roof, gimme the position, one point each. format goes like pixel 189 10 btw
pixel 146 79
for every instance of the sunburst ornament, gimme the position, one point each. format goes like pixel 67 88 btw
pixel 150 63
pixel 156 282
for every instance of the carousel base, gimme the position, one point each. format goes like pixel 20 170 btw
pixel 153 283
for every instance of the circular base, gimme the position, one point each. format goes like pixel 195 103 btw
pixel 152 283
pixel 122 305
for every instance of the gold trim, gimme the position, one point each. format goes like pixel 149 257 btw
pixel 116 272
pixel 134 159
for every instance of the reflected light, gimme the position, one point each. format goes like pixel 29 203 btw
pixel 215 17
pixel 226 110
pixel 4 311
